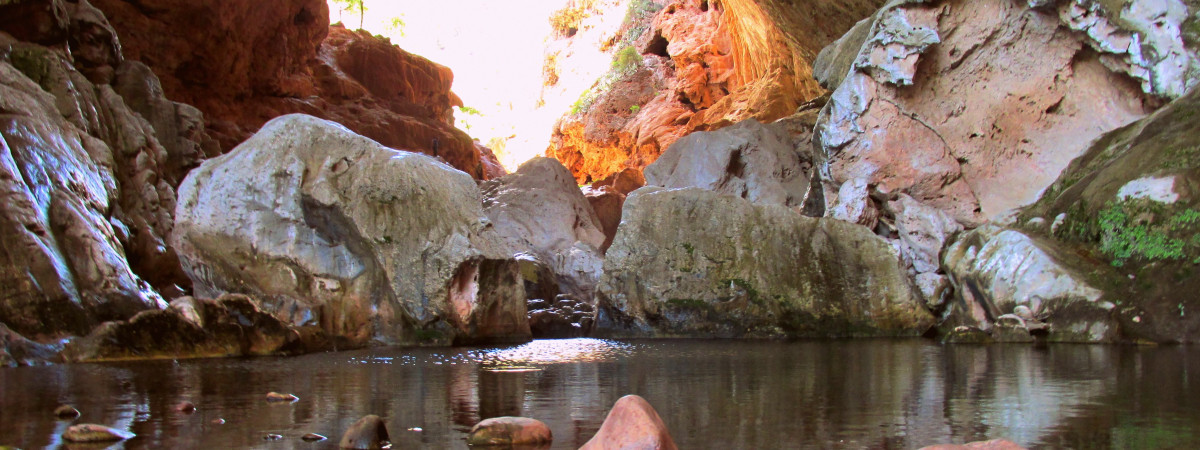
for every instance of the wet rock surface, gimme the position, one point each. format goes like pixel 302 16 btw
pixel 508 430
pixel 369 432
pixel 93 433
pixel 371 244
pixel 689 262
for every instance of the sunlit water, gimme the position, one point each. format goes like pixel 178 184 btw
pixel 712 394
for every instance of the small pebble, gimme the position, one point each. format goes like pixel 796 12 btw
pixel 186 407
pixel 278 397
pixel 272 437
pixel 218 421
pixel 66 412
pixel 417 429
pixel 313 437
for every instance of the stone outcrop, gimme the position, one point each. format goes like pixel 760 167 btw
pixel 248 61
pixel 688 262
pixel 631 423
pixel 508 431
pixel 1014 288
pixel 1131 203
pixel 88 187
pixel 326 227
pixel 232 325
pixel 975 108
pixel 749 160
pixel 703 66
pixel 15 350
pixel 369 432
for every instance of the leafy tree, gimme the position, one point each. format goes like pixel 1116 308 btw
pixel 351 5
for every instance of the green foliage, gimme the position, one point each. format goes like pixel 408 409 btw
pixel 635 108
pixel 1147 231
pixel 469 110
pixel 637 18
pixel 397 25
pixel 566 21
pixel 351 6
pixel 689 248
pixel 626 61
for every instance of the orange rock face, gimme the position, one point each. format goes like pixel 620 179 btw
pixel 243 62
pixel 707 65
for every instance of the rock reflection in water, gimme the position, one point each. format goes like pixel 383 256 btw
pixel 712 394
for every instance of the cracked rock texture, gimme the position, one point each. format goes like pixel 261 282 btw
pixel 328 228
pixel 970 107
pixel 696 263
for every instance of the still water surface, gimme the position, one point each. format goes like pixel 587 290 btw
pixel 712 394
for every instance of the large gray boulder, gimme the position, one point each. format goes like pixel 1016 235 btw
pixel 691 262
pixel 328 227
pixel 542 216
pixel 750 160
pixel 1013 287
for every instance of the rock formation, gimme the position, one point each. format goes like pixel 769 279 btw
pixel 88 187
pixel 329 228
pixel 976 108
pixel 631 423
pixel 700 65
pixel 243 62
pixel 546 223
pixel 689 262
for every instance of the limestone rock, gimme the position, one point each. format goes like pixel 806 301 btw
pixel 369 432
pixel 854 204
pixel 995 271
pixel 329 228
pixel 689 262
pixel 88 432
pixel 232 325
pixel 631 423
pixel 971 108
pixel 540 211
pixel 510 431
pixel 1132 202
pixel 749 160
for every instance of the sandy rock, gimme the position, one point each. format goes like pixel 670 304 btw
pixel 372 244
pixel 631 423
pixel 749 160
pixel 88 432
pixel 995 270
pixel 369 432
pixel 972 109
pixel 510 431
pixel 540 211
pixel 689 262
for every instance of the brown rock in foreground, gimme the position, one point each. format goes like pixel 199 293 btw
pixel 994 444
pixel 509 430
pixel 369 432
pixel 89 432
pixel 631 424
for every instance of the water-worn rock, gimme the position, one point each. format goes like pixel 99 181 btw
pixel 369 432
pixel 539 211
pixel 975 108
pixel 16 350
pixel 750 160
pixel 66 412
pixel 313 437
pixel 282 397
pixel 329 228
pixel 1132 202
pixel 232 325
pixel 510 431
pixel 689 262
pixel 607 204
pixel 85 203
pixel 1008 284
pixel 631 423
pixel 89 432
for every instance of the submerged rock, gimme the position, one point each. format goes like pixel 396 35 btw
pixel 280 397
pixel 88 432
pixel 631 423
pixel 66 412
pixel 689 262
pixel 369 432
pixel 510 431
pixel 329 228
pixel 994 444
pixel 313 437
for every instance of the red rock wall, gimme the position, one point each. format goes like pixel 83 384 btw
pixel 243 62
